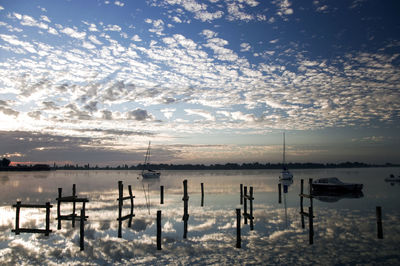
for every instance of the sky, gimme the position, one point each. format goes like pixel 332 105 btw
pixel 210 81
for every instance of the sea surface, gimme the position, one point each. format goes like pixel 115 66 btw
pixel 345 226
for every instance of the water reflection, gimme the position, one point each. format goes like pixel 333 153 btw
pixel 334 196
pixel 342 236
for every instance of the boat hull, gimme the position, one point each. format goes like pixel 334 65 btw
pixel 149 175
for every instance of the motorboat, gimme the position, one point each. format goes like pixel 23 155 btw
pixel 334 184
pixel 285 174
pixel 149 173
pixel 393 178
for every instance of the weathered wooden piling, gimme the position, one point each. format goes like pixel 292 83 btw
pixel 82 228
pixel 19 230
pixel 59 208
pixel 73 204
pixel 251 209
pixel 131 197
pixel 18 208
pixel 121 199
pixel 379 222
pixel 159 230
pixel 241 194
pixel 301 203
pixel 280 192
pixel 202 194
pixel 185 217
pixel 311 225
pixel 245 204
pixel 120 205
pixel 161 194
pixel 238 233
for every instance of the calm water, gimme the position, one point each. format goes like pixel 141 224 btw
pixel 345 227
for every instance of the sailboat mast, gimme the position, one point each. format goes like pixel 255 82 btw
pixel 283 149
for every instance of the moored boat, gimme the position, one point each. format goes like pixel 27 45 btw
pixel 334 184
pixel 392 178
pixel 149 173
pixel 285 174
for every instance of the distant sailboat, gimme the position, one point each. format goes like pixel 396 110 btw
pixel 148 173
pixel 285 174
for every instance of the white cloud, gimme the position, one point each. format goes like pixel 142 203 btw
pixel 203 113
pixel 74 33
pixel 94 40
pixel 136 38
pixel 119 3
pixel 245 47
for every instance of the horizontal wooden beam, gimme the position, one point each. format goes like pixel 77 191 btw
pixel 126 198
pixel 306 214
pixel 126 217
pixel 306 196
pixel 72 199
pixel 35 231
pixel 31 206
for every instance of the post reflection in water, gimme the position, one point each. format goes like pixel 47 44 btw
pixel 345 224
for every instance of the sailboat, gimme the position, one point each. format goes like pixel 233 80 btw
pixel 148 173
pixel 285 174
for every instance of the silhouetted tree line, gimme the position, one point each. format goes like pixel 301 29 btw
pixel 227 166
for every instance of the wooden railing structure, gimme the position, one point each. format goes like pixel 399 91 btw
pixel 70 199
pixel 121 199
pixel 19 230
pixel 246 215
pixel 310 213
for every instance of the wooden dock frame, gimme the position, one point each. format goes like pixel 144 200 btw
pixel 69 199
pixel 121 199
pixel 185 217
pixel 310 213
pixel 247 215
pixel 19 230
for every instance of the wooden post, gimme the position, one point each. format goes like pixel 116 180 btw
pixel 18 207
pixel 131 197
pixel 161 194
pixel 82 227
pixel 185 208
pixel 280 192
pixel 311 225
pixel 251 209
pixel 159 230
pixel 301 203
pixel 73 204
pixel 379 222
pixel 58 208
pixel 241 194
pixel 238 234
pixel 202 194
pixel 47 218
pixel 120 202
pixel 245 205
pixel 310 191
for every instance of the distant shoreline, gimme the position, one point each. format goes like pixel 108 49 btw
pixel 228 166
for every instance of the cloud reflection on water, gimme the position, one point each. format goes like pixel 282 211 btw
pixel 342 235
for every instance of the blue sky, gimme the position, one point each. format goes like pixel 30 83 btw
pixel 206 81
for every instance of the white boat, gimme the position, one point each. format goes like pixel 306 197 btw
pixel 285 174
pixel 393 178
pixel 334 184
pixel 148 173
